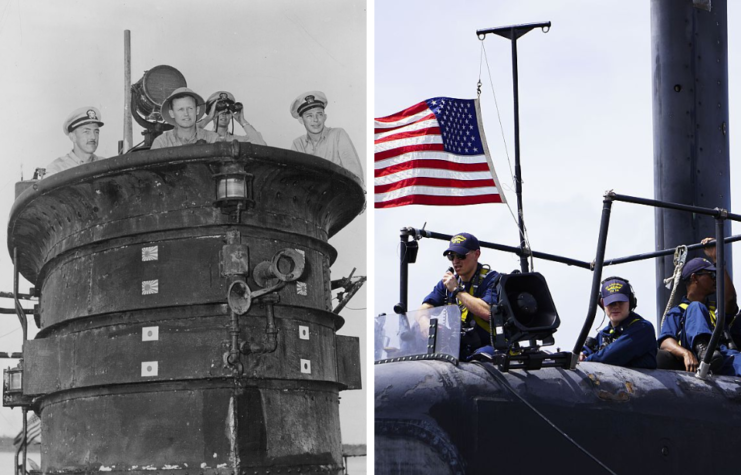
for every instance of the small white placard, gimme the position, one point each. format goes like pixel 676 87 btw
pixel 302 288
pixel 150 253
pixel 150 287
pixel 150 333
pixel 306 366
pixel 149 368
pixel 303 332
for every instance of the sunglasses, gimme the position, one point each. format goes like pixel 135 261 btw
pixel 455 255
pixel 712 274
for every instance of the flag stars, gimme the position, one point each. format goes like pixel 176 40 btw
pixel 456 123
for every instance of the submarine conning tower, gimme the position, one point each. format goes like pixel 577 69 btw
pixel 185 311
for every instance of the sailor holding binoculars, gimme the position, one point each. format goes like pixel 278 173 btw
pixel 182 109
pixel 226 109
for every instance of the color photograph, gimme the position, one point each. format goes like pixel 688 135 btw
pixel 540 169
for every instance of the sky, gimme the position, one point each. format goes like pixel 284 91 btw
pixel 585 128
pixel 59 56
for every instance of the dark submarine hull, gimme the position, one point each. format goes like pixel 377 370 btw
pixel 130 370
pixel 434 417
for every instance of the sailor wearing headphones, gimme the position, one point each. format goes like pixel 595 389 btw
pixel 628 340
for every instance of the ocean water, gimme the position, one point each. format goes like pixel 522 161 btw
pixel 6 461
pixel 355 465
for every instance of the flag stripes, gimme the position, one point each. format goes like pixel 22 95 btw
pixel 434 153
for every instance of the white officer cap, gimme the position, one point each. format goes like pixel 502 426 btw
pixel 306 101
pixel 83 115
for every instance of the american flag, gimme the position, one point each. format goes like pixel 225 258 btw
pixel 32 435
pixel 434 153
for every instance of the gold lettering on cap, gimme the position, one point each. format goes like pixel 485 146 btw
pixel 614 287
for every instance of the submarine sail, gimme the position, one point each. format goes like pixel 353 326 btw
pixel 185 311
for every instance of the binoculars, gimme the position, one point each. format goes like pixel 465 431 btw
pixel 228 104
pixel 591 343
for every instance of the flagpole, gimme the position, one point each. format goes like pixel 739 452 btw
pixel 512 33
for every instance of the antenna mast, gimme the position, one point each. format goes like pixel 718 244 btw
pixel 512 33
pixel 127 136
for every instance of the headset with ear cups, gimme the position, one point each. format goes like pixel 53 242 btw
pixel 632 300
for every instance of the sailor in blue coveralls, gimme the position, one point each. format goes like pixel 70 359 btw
pixel 471 286
pixel 687 328
pixel 628 340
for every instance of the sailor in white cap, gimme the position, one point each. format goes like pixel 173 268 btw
pixel 329 143
pixel 182 109
pixel 222 109
pixel 83 128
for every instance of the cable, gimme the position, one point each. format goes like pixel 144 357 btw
pixel 524 235
pixel 10 332
pixel 496 105
pixel 604 315
pixel 503 381
pixel 680 256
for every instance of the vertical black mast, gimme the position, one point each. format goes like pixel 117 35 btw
pixel 689 56
pixel 512 33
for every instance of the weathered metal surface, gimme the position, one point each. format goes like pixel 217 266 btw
pixel 185 349
pixel 170 189
pixel 117 278
pixel 158 428
pixel 465 420
pixel 348 369
pixel 129 370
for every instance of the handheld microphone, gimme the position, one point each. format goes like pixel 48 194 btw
pixel 451 299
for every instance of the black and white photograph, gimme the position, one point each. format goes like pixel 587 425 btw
pixel 184 284
pixel 551 184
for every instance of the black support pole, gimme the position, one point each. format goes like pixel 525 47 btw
pixel 596 277
pixel 720 289
pixel 518 169
pixel 402 306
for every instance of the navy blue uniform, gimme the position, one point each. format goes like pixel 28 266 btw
pixel 688 320
pixel 482 286
pixel 631 344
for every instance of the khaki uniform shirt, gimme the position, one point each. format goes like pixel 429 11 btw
pixel 68 161
pixel 171 139
pixel 333 145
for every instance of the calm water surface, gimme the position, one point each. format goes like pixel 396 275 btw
pixel 355 465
